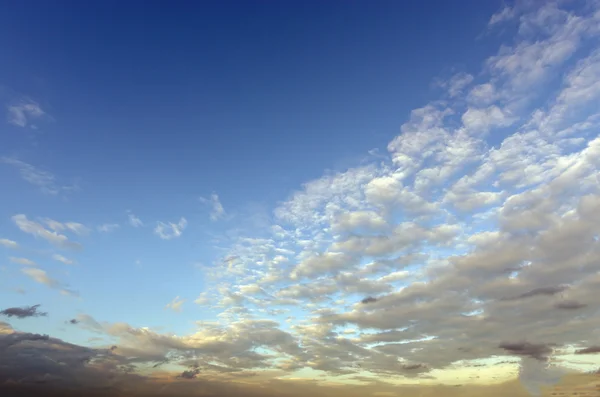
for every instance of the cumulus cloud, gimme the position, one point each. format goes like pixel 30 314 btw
pixel 216 208
pixel 168 231
pixel 461 232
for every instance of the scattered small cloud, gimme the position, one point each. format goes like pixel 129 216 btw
pixel 176 304
pixel 9 243
pixel 134 221
pixel 73 227
pixel 22 261
pixel 217 211
pixel 108 227
pixel 40 276
pixel 37 230
pixel 44 180
pixel 23 312
pixel 60 258
pixel 24 112
pixel 168 231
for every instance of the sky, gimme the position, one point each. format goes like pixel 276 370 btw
pixel 281 198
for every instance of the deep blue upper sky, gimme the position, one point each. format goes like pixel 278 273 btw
pixel 215 86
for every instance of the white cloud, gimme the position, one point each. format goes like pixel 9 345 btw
pixel 456 234
pixel 24 112
pixel 73 227
pixel 176 304
pixel 60 258
pixel 458 83
pixel 134 221
pixel 37 230
pixel 9 243
pixel 108 227
pixel 40 276
pixel 506 14
pixel 169 230
pixel 479 121
pixel 44 180
pixel 217 211
pixel 22 261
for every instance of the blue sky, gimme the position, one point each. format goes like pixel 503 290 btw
pixel 265 166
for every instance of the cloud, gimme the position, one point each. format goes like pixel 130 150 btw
pixel 425 261
pixel 73 227
pixel 134 221
pixel 217 211
pixel 9 243
pixel 22 113
pixel 457 83
pixel 23 312
pixel 108 227
pixel 40 276
pixel 37 230
pixel 506 14
pixel 44 180
pixel 168 231
pixel 176 304
pixel 368 300
pixel 60 258
pixel 589 350
pixel 22 261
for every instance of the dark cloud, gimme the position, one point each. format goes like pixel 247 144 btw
pixel 570 305
pixel 542 291
pixel 23 312
pixel 368 299
pixel 191 373
pixel 526 349
pixel 589 350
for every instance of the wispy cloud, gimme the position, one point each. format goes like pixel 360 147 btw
pixel 60 258
pixel 24 112
pixel 176 304
pixel 44 180
pixel 37 230
pixel 22 261
pixel 216 208
pixel 108 227
pixel 134 221
pixel 40 276
pixel 73 227
pixel 9 243
pixel 168 231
